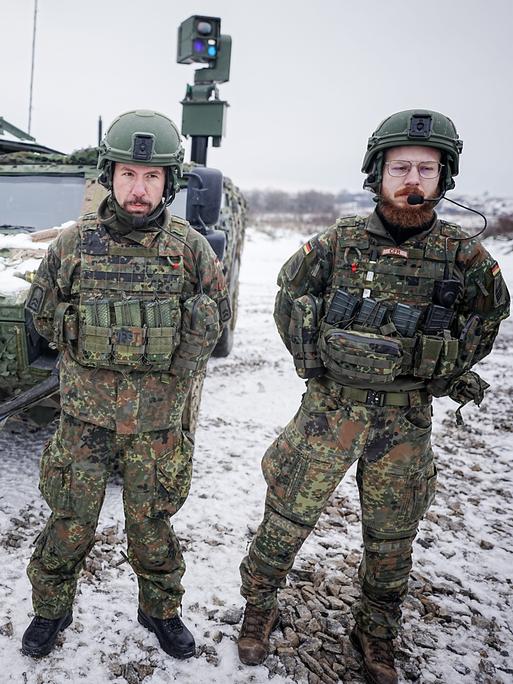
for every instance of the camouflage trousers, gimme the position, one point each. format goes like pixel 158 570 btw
pixel 396 478
pixel 156 469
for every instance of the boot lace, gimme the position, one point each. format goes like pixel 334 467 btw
pixel 254 621
pixel 173 624
pixel 42 624
pixel 381 651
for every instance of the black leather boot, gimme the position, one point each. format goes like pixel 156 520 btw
pixel 41 635
pixel 174 637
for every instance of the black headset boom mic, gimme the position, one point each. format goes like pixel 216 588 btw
pixel 415 199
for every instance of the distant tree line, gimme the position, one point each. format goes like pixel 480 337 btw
pixel 502 225
pixel 309 206
pixel 304 202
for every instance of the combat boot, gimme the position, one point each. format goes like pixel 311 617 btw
pixel 378 657
pixel 41 635
pixel 174 637
pixel 253 642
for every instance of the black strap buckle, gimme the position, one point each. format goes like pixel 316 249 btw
pixel 375 398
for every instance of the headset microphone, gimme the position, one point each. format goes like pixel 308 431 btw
pixel 415 199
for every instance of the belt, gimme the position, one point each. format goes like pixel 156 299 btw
pixel 412 398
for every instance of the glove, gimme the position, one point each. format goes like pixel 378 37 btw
pixel 468 387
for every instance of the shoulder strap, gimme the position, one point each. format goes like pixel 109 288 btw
pixel 451 230
pixel 172 242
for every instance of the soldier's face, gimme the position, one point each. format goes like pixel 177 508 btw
pixel 396 189
pixel 137 188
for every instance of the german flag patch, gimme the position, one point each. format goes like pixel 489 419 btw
pixel 307 248
pixel 496 269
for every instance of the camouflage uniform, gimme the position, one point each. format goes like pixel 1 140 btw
pixel 116 412
pixel 353 412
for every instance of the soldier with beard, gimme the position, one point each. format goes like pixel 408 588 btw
pixel 380 314
pixel 133 296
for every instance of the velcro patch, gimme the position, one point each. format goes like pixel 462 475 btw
pixel 225 310
pixel 395 251
pixel 307 248
pixel 35 299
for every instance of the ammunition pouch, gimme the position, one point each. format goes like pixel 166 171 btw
pixel 162 331
pixel 354 356
pixel 127 334
pixel 443 356
pixel 359 334
pixel 435 356
pixel 199 334
pixel 448 357
pixel 303 334
pixel 426 356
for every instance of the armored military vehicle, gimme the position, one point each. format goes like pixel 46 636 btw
pixel 42 190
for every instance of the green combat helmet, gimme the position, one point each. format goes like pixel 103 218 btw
pixel 413 127
pixel 143 137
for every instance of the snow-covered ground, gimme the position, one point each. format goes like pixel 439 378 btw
pixel 458 618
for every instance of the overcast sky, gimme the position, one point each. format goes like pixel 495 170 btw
pixel 309 80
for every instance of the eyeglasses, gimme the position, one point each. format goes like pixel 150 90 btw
pixel 427 169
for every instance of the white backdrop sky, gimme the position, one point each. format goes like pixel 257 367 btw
pixel 309 80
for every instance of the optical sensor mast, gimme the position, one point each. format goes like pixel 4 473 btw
pixel 204 114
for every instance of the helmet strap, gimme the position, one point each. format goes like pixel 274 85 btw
pixel 373 179
pixel 105 177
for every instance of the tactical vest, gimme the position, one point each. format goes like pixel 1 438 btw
pixel 128 299
pixel 390 275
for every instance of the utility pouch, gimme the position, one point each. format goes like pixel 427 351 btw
pixel 356 356
pixel 199 333
pixel 94 342
pixel 65 325
pixel 162 336
pixel 469 341
pixel 448 357
pixel 70 327
pixel 428 352
pixel 303 334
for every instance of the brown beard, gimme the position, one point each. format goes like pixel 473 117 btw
pixel 407 217
pixel 140 212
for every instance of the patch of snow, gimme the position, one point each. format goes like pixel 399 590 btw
pixel 247 399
